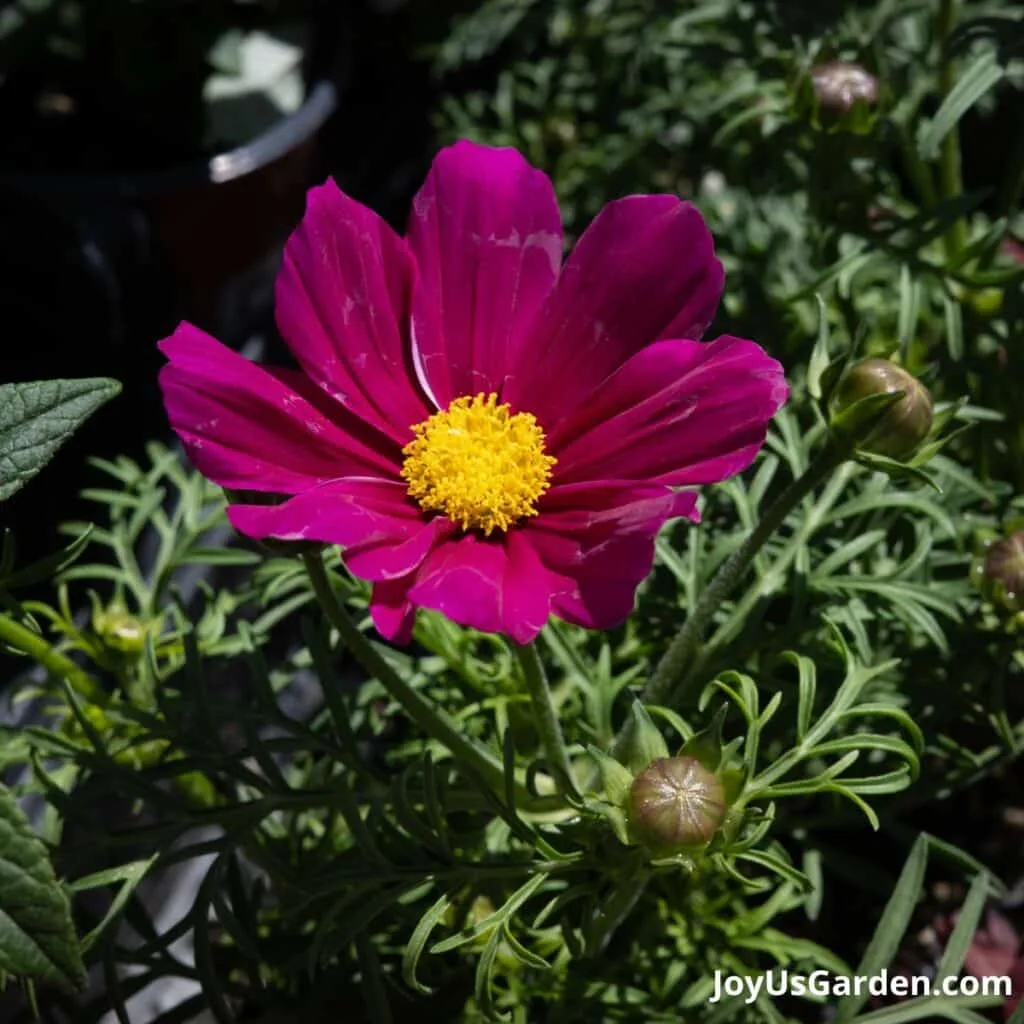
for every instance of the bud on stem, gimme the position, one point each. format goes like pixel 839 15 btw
pixel 901 428
pixel 676 803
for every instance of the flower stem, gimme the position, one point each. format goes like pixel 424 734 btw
pixel 950 174
pixel 767 585
pixel 58 665
pixel 682 650
pixel 434 721
pixel 546 717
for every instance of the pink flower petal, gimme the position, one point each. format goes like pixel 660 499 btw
pixel 393 614
pixel 645 269
pixel 495 586
pixel 597 540
pixel 346 511
pixel 679 412
pixel 487 236
pixel 388 560
pixel 342 307
pixel 244 429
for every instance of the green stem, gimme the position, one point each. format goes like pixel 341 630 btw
pixel 546 717
pixel 773 578
pixel 681 652
pixel 434 721
pixel 918 171
pixel 950 180
pixel 58 665
pixel 682 648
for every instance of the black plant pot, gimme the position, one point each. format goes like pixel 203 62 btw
pixel 97 267
pixel 118 254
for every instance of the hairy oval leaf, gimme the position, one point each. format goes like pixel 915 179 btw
pixel 37 937
pixel 37 417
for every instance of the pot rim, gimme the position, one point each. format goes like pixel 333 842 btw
pixel 281 138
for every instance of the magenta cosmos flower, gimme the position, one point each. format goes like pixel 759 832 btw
pixel 485 430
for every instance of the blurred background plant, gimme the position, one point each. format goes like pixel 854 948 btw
pixel 848 727
pixel 869 151
pixel 136 84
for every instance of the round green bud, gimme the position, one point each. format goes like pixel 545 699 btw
pixel 119 630
pixel 676 803
pixel 904 425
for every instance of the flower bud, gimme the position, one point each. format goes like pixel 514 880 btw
pixel 839 84
pixel 901 427
pixel 1003 570
pixel 120 631
pixel 676 803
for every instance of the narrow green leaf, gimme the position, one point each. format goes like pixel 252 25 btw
pixel 966 925
pixel 37 936
pixel 130 875
pixel 48 566
pixel 973 83
pixel 909 312
pixel 418 942
pixel 889 933
pixel 954 328
pixel 820 357
pixel 37 417
pixel 773 862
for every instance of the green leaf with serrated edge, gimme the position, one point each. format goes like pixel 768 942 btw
pixel 645 743
pixel 37 417
pixel 615 778
pixel 37 936
pixel 889 933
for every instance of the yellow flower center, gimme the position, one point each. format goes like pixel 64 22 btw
pixel 481 465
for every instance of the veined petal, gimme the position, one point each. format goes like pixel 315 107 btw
pixel 495 586
pixel 342 301
pixel 645 269
pixel 597 542
pixel 393 614
pixel 487 237
pixel 679 412
pixel 346 512
pixel 245 429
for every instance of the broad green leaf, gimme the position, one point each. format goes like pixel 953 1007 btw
pixel 37 417
pixel 37 936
